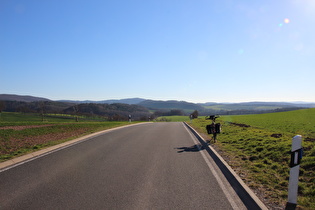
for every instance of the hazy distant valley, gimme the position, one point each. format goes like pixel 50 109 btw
pixel 139 107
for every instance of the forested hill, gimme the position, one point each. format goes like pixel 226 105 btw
pixel 115 111
pixel 12 97
pixel 109 111
pixel 105 107
pixel 111 101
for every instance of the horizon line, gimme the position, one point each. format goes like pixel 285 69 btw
pixel 189 101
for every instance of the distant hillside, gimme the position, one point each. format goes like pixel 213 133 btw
pixel 35 106
pixel 107 111
pixel 116 111
pixel 125 101
pixel 151 104
pixel 111 101
pixel 164 106
pixel 258 106
pixel 12 97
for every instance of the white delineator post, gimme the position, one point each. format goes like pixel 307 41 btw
pixel 296 156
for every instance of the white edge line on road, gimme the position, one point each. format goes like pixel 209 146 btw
pixel 215 174
pixel 6 165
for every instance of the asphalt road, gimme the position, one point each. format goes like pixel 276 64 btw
pixel 147 166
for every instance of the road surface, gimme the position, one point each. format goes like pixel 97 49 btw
pixel 147 166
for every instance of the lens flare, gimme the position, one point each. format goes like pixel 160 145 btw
pixel 240 51
pixel 285 21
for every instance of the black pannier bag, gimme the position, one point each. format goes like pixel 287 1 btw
pixel 218 128
pixel 210 129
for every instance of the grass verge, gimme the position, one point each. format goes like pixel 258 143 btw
pixel 258 148
pixel 172 118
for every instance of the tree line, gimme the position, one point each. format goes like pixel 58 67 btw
pixel 117 111
pixel 107 111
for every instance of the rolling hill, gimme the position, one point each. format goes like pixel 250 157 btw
pixel 111 101
pixel 151 104
pixel 12 97
pixel 187 107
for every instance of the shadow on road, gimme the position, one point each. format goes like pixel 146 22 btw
pixel 194 148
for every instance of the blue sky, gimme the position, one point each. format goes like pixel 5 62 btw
pixel 192 50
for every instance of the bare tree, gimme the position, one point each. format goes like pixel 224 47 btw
pixel 194 115
pixel 42 109
pixel 2 107
pixel 76 111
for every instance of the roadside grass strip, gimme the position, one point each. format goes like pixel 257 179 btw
pixel 258 147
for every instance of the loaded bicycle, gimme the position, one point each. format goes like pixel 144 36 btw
pixel 213 128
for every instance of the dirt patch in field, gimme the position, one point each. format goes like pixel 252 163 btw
pixel 310 139
pixel 15 144
pixel 240 125
pixel 276 135
pixel 23 127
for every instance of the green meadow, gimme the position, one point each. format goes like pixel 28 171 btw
pixel 24 133
pixel 172 118
pixel 258 148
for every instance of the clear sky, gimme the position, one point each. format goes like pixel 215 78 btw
pixel 192 50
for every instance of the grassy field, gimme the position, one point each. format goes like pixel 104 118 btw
pixel 172 118
pixel 24 133
pixel 258 148
pixel 12 118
